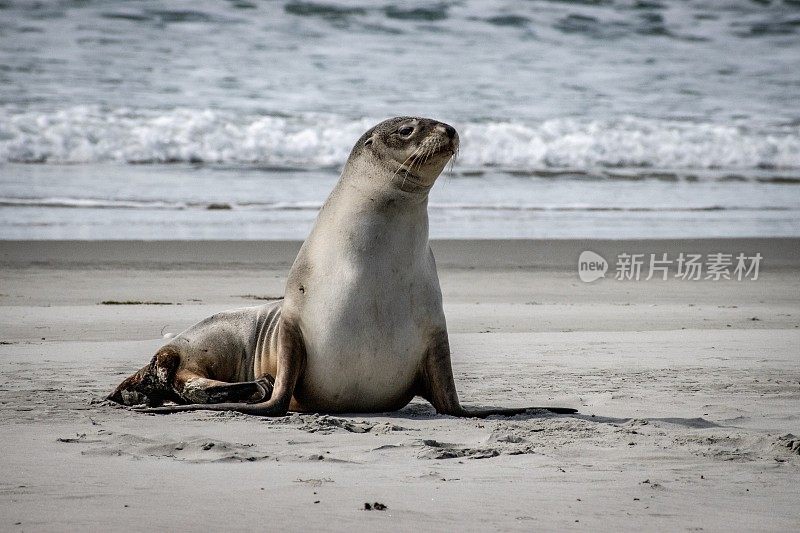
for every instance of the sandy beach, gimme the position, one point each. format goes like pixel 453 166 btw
pixel 688 395
pixel 615 221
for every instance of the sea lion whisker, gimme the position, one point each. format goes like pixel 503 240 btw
pixel 452 164
pixel 418 160
pixel 400 167
pixel 403 164
pixel 409 169
pixel 427 147
pixel 431 151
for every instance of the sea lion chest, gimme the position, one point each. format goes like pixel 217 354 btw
pixel 369 301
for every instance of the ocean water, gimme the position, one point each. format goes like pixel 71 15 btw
pixel 585 118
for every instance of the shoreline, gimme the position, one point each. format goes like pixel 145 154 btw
pixel 557 254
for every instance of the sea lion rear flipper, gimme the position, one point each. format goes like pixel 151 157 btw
pixel 198 389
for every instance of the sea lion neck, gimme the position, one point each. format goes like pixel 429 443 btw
pixel 374 176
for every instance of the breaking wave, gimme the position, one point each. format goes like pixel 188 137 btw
pixel 85 134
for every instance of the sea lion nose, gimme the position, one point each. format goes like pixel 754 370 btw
pixel 450 130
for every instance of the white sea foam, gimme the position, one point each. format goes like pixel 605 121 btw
pixel 91 203
pixel 629 142
pixel 86 134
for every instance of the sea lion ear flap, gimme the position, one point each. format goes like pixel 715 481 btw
pixel 370 137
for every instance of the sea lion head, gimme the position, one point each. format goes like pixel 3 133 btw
pixel 134 389
pixel 415 150
pixel 150 385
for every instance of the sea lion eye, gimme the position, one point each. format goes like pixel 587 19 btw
pixel 405 131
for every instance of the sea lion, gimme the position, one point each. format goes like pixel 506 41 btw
pixel 361 327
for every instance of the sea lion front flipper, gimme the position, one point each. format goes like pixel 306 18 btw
pixel 291 358
pixel 439 388
pixel 436 380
